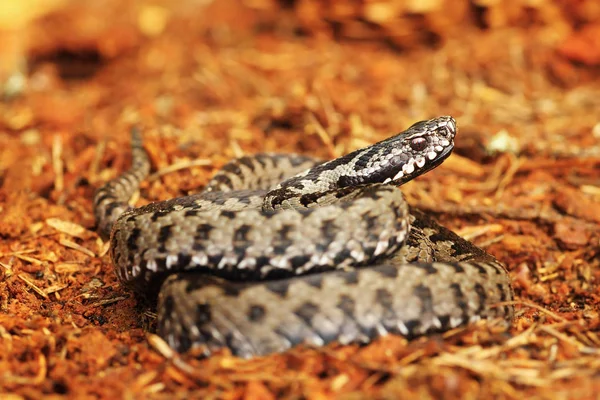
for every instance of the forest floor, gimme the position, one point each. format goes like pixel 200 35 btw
pixel 211 82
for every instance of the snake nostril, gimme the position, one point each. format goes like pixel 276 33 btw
pixel 451 128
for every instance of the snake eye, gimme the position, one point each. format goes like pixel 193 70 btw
pixel 418 144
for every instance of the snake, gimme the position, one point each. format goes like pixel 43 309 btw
pixel 281 250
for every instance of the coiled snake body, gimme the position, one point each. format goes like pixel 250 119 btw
pixel 284 249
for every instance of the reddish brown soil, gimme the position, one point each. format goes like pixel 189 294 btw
pixel 212 82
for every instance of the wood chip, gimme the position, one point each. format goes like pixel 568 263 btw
pixel 55 288
pixel 69 228
pixel 102 247
pixel 67 267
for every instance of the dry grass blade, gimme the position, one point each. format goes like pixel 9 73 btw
pixel 177 167
pixel 567 339
pixel 57 163
pixel 33 286
pixel 535 306
pixel 28 259
pixel 72 245
pixel 323 135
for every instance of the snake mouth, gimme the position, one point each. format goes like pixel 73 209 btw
pixel 418 166
pixel 445 153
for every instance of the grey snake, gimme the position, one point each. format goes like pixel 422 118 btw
pixel 284 249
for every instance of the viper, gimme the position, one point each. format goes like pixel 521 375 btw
pixel 284 249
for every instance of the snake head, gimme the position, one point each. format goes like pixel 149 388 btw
pixel 398 159
pixel 395 160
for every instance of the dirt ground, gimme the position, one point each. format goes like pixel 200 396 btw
pixel 209 81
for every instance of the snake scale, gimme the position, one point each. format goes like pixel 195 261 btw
pixel 280 250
